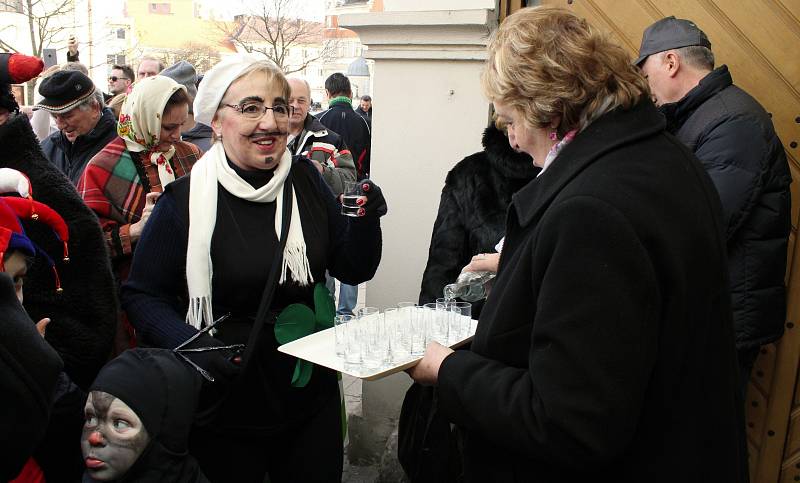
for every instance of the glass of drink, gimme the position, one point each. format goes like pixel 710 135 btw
pixel 352 192
pixel 399 333
pixel 339 322
pixel 352 342
pixel 437 324
pixel 375 350
pixel 460 320
pixel 365 311
pixel 419 334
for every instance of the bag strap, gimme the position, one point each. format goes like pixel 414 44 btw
pixel 269 288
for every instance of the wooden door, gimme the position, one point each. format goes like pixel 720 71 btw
pixel 759 40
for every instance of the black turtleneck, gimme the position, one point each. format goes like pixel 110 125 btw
pixel 256 177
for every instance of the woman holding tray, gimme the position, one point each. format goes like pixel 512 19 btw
pixel 605 350
pixel 249 234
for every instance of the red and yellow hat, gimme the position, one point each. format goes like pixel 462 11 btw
pixel 15 208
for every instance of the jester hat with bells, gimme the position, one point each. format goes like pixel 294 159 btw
pixel 15 208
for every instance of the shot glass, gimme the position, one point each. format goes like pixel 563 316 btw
pixel 353 340
pixel 399 333
pixel 365 311
pixel 339 322
pixel 419 334
pixel 375 348
pixel 352 191
pixel 437 323
pixel 460 321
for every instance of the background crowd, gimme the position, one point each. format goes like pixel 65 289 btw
pixel 636 213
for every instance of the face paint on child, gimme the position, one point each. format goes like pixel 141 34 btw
pixel 113 437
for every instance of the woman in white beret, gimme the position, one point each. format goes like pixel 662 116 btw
pixel 249 233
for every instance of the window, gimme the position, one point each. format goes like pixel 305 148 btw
pixel 11 6
pixel 120 59
pixel 160 8
pixel 120 33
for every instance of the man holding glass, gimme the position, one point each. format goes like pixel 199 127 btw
pixel 309 138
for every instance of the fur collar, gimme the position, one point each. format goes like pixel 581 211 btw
pixel 503 158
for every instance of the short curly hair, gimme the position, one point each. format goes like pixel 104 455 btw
pixel 547 62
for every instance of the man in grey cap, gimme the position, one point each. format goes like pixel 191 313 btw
pixel 84 125
pixel 733 136
pixel 193 132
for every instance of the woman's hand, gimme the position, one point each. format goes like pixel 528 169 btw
pixel 426 372
pixel 372 202
pixel 136 229
pixel 41 326
pixel 483 262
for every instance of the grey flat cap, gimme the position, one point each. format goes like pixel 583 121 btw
pixel 183 73
pixel 670 33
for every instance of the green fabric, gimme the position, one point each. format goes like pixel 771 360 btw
pixel 297 321
pixel 340 100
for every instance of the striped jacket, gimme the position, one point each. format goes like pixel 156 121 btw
pixel 320 144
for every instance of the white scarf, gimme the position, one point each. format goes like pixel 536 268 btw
pixel 210 170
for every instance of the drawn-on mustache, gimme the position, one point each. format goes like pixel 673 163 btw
pixel 267 134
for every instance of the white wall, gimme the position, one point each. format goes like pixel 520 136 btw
pixel 428 115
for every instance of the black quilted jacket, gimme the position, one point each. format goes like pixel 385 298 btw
pixel 733 136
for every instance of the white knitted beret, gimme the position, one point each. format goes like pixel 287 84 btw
pixel 216 82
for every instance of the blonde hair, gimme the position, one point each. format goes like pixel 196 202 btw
pixel 547 62
pixel 273 72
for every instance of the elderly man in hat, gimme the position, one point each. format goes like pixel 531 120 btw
pixel 734 138
pixel 84 125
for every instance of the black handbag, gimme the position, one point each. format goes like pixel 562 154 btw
pixel 427 445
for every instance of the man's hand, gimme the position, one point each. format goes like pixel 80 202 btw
pixel 426 372
pixel 72 45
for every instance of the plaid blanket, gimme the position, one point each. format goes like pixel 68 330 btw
pixel 115 183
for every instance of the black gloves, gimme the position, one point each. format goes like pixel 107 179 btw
pixel 375 205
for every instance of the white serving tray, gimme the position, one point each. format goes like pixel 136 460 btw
pixel 319 349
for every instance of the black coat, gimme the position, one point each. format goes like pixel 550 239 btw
pixel 733 136
pixel 29 370
pixel 355 131
pixel 200 135
pixel 84 316
pixel 472 209
pixel 605 351
pixel 71 158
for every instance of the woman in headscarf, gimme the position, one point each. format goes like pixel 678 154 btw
pixel 250 233
pixel 123 180
pixel 605 350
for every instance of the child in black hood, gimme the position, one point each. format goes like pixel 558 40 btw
pixel 138 417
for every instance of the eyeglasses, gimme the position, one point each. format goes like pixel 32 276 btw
pixel 114 78
pixel 255 110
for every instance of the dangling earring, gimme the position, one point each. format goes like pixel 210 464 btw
pixel 553 136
